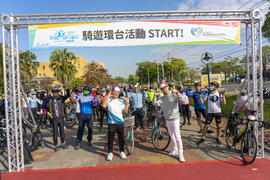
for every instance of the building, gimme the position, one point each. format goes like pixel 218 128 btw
pixel 44 70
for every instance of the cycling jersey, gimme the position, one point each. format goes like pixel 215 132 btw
pixel 150 95
pixel 115 111
pixel 196 96
pixel 86 102
pixel 213 102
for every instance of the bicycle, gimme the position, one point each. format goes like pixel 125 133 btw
pixel 129 122
pixel 244 135
pixel 71 117
pixel 160 135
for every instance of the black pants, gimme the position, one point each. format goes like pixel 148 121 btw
pixel 85 119
pixel 138 113
pixel 58 123
pixel 150 109
pixel 112 128
pixel 186 112
pixel 34 111
pixel 101 117
pixel 95 112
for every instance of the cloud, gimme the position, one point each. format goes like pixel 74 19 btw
pixel 212 4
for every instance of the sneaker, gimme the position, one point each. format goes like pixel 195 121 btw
pixel 173 153
pixel 189 123
pixel 200 131
pixel 63 146
pixel 109 156
pixel 89 143
pixel 184 123
pixel 122 155
pixel 56 148
pixel 218 141
pixel 200 141
pixel 182 159
pixel 210 131
pixel 77 146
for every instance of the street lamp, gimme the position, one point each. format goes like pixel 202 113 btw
pixel 207 58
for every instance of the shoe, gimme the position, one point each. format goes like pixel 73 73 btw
pixel 210 131
pixel 200 131
pixel 63 146
pixel 189 123
pixel 109 156
pixel 184 123
pixel 218 141
pixel 56 148
pixel 77 146
pixel 200 141
pixel 122 155
pixel 89 143
pixel 182 159
pixel 173 153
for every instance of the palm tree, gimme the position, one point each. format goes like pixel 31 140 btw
pixel 61 64
pixel 28 66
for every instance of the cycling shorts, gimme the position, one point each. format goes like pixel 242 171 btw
pixel 198 113
pixel 211 116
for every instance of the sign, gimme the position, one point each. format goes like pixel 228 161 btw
pixel 134 33
pixel 213 78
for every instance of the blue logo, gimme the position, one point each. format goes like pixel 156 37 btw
pixel 197 31
pixel 61 35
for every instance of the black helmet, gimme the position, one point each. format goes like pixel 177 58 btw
pixel 215 84
pixel 55 89
pixel 197 84
pixel 86 88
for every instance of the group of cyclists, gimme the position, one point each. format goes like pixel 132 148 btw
pixel 109 104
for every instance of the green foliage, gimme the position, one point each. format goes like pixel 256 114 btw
pixel 133 79
pixel 61 63
pixel 120 80
pixel 77 82
pixel 28 66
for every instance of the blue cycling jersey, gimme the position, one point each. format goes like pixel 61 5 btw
pixel 86 102
pixel 196 96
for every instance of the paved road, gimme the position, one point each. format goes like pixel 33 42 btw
pixel 46 158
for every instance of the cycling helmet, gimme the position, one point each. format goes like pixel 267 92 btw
pixel 197 84
pixel 86 88
pixel 215 84
pixel 55 89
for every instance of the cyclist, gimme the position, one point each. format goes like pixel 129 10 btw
pixel 199 106
pixel 115 107
pixel 185 106
pixel 150 93
pixel 169 103
pixel 137 98
pixel 57 103
pixel 33 103
pixel 214 111
pixel 102 111
pixel 86 117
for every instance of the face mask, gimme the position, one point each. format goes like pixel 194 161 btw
pixel 86 92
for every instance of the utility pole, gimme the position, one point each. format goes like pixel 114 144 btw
pixel 157 72
pixel 170 60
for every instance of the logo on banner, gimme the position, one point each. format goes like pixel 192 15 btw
pixel 197 32
pixel 61 35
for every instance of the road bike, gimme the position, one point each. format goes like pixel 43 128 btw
pixel 239 134
pixel 160 135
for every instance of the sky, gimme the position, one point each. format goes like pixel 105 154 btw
pixel 121 61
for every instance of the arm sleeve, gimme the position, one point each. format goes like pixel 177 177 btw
pixel 188 93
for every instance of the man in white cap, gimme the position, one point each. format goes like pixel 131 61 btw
pixel 115 108
pixel 169 103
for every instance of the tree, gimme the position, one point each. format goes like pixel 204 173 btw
pixel 28 66
pixel 96 75
pixel 61 64
pixel 265 58
pixel 266 27
pixel 120 80
pixel 133 79
pixel 77 82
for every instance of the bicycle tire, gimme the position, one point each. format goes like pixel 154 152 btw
pixel 71 122
pixel 157 136
pixel 251 149
pixel 229 137
pixel 129 140
pixel 36 139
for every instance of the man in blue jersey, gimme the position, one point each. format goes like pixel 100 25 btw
pixel 198 106
pixel 86 116
pixel 115 108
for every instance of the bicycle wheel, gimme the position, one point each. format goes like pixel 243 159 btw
pixel 36 139
pixel 249 147
pixel 160 138
pixel 3 142
pixel 71 120
pixel 229 138
pixel 129 140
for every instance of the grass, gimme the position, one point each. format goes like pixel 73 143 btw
pixel 227 109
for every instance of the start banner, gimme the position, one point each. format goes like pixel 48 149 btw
pixel 134 33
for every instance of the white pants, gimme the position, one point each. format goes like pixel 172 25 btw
pixel 174 131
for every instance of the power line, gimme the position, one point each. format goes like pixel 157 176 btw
pixel 244 4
